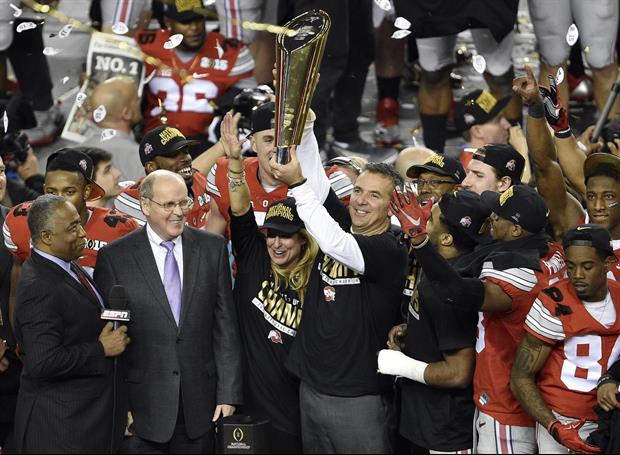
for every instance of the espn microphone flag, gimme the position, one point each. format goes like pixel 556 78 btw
pixel 116 315
pixel 117 302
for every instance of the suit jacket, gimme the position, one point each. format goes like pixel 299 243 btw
pixel 201 358
pixel 66 397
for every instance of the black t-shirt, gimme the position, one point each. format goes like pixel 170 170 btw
pixel 347 318
pixel 269 319
pixel 431 417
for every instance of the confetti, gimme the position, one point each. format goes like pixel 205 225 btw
pixel 148 78
pixel 51 51
pixel 120 28
pixel 199 76
pixel 65 31
pixel 174 41
pixel 5 122
pixel 65 79
pixel 219 49
pixel 402 23
pixel 559 77
pixel 107 134
pixel 400 34
pixel 16 11
pixel 385 5
pixel 480 64
pixel 80 98
pixel 99 113
pixel 26 26
pixel 572 35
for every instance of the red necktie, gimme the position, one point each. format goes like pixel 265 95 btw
pixel 82 278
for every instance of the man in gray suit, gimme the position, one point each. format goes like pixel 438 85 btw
pixel 183 367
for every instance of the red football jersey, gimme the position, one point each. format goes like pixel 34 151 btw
pixel 128 201
pixel 499 335
pixel 218 187
pixel 188 90
pixel 103 227
pixel 583 348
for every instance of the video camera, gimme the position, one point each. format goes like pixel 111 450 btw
pixel 249 99
pixel 14 143
pixel 610 131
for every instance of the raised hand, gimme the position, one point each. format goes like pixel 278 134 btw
pixel 289 173
pixel 229 136
pixel 556 115
pixel 412 215
pixel 526 87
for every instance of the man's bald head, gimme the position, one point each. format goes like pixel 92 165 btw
pixel 410 157
pixel 119 96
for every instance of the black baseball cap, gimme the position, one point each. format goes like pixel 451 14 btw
pixel 592 235
pixel 519 204
pixel 476 108
pixel 466 211
pixel 68 159
pixel 282 216
pixel 439 164
pixel 184 10
pixel 504 159
pixel 162 141
pixel 598 162
pixel 263 117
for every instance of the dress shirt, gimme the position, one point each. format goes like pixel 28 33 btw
pixel 160 252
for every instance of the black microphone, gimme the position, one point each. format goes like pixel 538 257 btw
pixel 117 302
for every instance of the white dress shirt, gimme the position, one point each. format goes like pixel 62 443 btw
pixel 160 252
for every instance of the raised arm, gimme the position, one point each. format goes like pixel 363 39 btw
pixel 205 161
pixel 237 185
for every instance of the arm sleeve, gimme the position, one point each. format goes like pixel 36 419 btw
pixel 243 64
pixel 382 255
pixel 337 210
pixel 226 339
pixel 541 324
pixel 331 238
pixel 245 237
pixel 47 357
pixel 310 162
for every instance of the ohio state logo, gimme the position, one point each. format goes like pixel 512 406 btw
pixel 330 293
pixel 275 337
pixel 83 164
pixel 511 165
pixel 465 221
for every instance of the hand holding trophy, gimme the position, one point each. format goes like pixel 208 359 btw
pixel 298 57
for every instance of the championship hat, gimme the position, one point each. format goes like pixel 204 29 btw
pixel 184 10
pixel 506 161
pixel 520 205
pixel 439 164
pixel 466 211
pixel 68 159
pixel 282 216
pixel 592 235
pixel 162 141
pixel 476 108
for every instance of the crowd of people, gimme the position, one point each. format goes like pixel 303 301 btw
pixel 169 274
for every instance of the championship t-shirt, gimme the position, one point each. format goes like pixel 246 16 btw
pixel 347 317
pixel 431 417
pixel 269 319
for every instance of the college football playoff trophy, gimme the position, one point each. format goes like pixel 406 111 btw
pixel 298 56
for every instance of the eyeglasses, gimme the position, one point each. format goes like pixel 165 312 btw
pixel 431 183
pixel 184 205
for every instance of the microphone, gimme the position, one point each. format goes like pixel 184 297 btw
pixel 117 303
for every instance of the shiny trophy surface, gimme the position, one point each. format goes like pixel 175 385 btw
pixel 298 56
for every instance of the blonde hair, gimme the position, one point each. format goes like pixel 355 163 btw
pixel 297 277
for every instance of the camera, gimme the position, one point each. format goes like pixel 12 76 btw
pixel 249 99
pixel 14 143
pixel 610 131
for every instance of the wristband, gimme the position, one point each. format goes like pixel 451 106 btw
pixel 420 245
pixel 604 379
pixel 295 185
pixel 536 110
pixel 563 134
pixel 236 172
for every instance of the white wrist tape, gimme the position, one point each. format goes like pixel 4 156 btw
pixel 398 364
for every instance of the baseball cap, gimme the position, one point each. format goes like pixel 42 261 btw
pixel 466 211
pixel 592 235
pixel 162 141
pixel 600 161
pixel 68 159
pixel 439 164
pixel 520 205
pixel 282 216
pixel 263 117
pixel 504 159
pixel 476 108
pixel 184 10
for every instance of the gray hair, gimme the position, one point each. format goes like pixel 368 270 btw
pixel 147 186
pixel 386 170
pixel 41 213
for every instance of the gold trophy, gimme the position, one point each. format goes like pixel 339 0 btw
pixel 298 56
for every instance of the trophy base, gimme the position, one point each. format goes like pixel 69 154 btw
pixel 283 155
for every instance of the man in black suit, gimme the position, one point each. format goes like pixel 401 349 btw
pixel 184 364
pixel 67 395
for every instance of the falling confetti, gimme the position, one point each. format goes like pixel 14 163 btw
pixel 174 41
pixel 199 76
pixel 402 23
pixel 26 26
pixel 559 77
pixel 148 78
pixel 65 79
pixel 80 98
pixel 65 31
pixel 400 34
pixel 5 122
pixel 219 49
pixel 385 5
pixel 572 35
pixel 16 11
pixel 99 113
pixel 107 134
pixel 120 28
pixel 480 64
pixel 209 2
pixel 51 51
